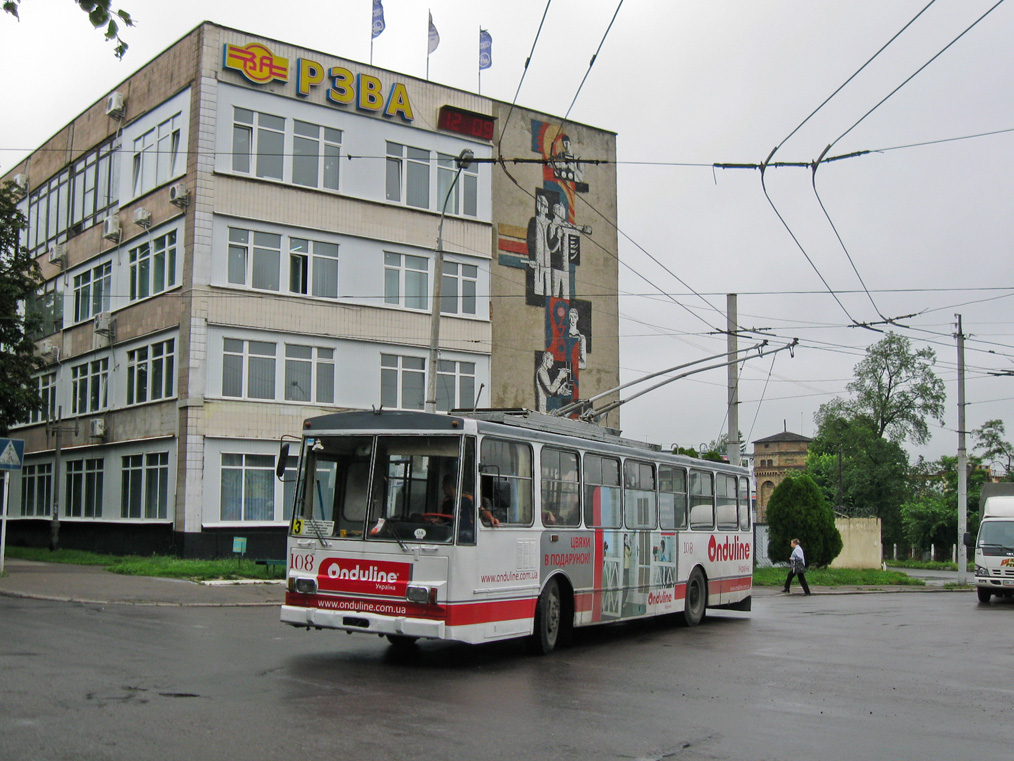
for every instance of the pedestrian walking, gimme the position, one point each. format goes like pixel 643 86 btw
pixel 797 567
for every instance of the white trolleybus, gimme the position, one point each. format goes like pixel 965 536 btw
pixel 493 525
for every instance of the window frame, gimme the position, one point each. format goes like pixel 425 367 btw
pixel 552 472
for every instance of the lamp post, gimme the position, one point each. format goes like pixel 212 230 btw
pixel 463 161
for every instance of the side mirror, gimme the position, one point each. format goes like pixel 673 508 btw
pixel 283 459
pixel 968 540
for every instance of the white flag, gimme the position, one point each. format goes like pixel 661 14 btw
pixel 434 37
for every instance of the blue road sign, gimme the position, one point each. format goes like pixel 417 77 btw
pixel 12 454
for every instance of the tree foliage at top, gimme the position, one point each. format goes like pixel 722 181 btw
pixel 798 510
pixel 895 388
pixel 992 447
pixel 19 279
pixel 930 517
pixel 100 14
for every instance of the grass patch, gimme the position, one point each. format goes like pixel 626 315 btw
pixel 163 566
pixel 926 565
pixel 837 577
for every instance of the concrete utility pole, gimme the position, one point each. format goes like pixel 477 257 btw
pixel 962 459
pixel 732 440
pixel 58 429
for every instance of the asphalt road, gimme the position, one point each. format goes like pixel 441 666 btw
pixel 893 676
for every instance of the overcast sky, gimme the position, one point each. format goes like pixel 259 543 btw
pixel 923 217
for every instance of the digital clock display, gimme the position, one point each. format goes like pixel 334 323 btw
pixel 465 123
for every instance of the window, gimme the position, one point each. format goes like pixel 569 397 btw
pixel 672 498
pixel 702 501
pixel 561 489
pixel 458 288
pixel 73 200
pixel 406 281
pixel 84 488
pixel 145 486
pixel 313 268
pixel 402 382
pixel 88 386
pixel 46 386
pixel 316 154
pixel 248 369
pixel 157 155
pixel 258 144
pixel 744 504
pixel 91 291
pixel 639 494
pixel 151 372
pixel 408 175
pixel 455 385
pixel 725 502
pixel 602 492
pixel 36 489
pixel 46 308
pixel 153 268
pixel 309 374
pixel 248 487
pixel 506 468
pixel 463 198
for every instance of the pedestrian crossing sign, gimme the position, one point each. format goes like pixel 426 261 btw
pixel 12 454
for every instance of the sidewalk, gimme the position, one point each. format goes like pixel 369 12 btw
pixel 92 584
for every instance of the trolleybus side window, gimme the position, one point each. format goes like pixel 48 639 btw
pixel 561 488
pixel 507 480
pixel 466 508
pixel 725 499
pixel 602 505
pixel 672 497
pixel 744 504
pixel 702 500
pixel 639 494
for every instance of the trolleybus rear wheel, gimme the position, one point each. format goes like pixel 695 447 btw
pixel 697 598
pixel 547 620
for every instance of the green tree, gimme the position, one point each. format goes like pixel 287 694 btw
pixel 798 510
pixel 100 14
pixel 896 389
pixel 19 279
pixel 992 447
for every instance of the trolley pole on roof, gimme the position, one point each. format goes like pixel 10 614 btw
pixel 732 320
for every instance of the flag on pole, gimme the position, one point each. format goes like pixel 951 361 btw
pixel 434 36
pixel 378 18
pixel 485 49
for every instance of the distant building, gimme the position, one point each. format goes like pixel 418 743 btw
pixel 774 458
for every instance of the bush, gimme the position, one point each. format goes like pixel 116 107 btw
pixel 798 510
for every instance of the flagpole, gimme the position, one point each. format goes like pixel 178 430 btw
pixel 480 63
pixel 429 12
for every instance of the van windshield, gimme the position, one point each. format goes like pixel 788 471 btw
pixel 996 537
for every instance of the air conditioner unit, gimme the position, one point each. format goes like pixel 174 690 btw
pixel 111 228
pixel 179 195
pixel 49 351
pixel 58 254
pixel 21 183
pixel 142 217
pixel 116 106
pixel 103 323
pixel 97 427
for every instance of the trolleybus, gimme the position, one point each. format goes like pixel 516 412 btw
pixel 490 525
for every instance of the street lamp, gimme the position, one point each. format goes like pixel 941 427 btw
pixel 463 161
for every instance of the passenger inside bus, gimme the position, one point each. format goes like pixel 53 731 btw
pixel 466 523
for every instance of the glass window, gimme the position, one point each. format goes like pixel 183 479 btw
pixel 144 490
pixel 309 374
pixel 561 489
pixel 506 469
pixel 84 488
pixel 46 386
pixel 88 386
pixel 92 291
pixel 157 155
pixel 702 501
pixel 151 372
pixel 459 288
pixel 248 487
pixel 267 259
pixel 726 502
pixel 316 155
pixel 37 489
pixel 745 507
pixel 153 267
pixel 270 146
pixel 672 497
pixel 455 385
pixel 639 494
pixel 402 382
pixel 602 494
pixel 406 281
pixel 248 369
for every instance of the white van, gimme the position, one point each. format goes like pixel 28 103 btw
pixel 994 546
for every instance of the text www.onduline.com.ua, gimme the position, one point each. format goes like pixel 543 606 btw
pixel 363 606
pixel 500 578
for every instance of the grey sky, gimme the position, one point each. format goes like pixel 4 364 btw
pixel 687 85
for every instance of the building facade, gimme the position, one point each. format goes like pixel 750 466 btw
pixel 775 457
pixel 243 234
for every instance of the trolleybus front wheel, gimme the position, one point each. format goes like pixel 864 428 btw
pixel 697 598
pixel 547 620
pixel 983 593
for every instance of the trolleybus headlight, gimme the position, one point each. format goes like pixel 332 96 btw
pixel 421 595
pixel 305 585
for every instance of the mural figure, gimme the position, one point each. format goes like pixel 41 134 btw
pixel 575 340
pixel 567 166
pixel 547 385
pixel 538 246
